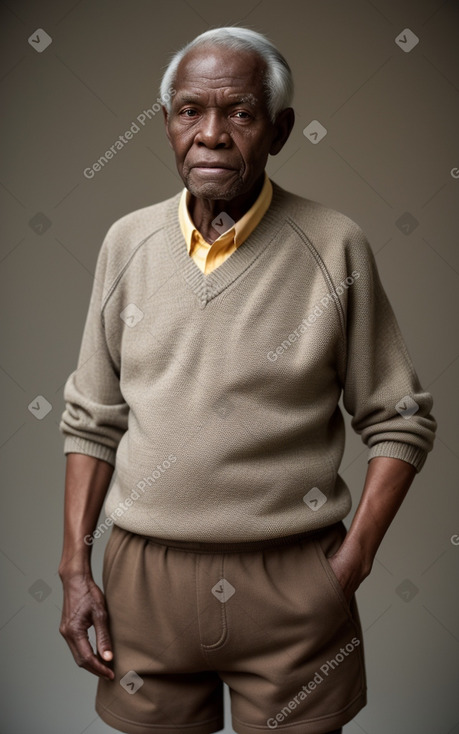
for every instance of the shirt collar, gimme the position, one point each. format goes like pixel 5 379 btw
pixel 240 229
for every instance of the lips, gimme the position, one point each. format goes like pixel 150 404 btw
pixel 213 164
pixel 211 172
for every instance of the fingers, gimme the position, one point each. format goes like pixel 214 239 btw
pixel 103 641
pixel 84 606
pixel 85 658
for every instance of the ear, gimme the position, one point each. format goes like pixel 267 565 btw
pixel 166 123
pixel 282 129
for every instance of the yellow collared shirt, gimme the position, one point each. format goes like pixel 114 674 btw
pixel 209 256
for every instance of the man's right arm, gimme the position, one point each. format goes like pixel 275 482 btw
pixel 93 423
pixel 86 483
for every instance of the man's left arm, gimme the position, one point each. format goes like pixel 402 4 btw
pixel 386 484
pixel 390 410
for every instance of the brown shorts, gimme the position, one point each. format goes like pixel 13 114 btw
pixel 272 622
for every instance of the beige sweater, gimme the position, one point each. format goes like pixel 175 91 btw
pixel 216 396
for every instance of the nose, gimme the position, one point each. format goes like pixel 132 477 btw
pixel 212 131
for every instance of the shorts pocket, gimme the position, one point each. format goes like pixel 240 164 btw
pixel 327 547
pixel 112 549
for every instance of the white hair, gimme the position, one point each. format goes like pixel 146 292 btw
pixel 278 80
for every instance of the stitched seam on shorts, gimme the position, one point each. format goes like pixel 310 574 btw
pixel 158 726
pixel 307 721
pixel 224 634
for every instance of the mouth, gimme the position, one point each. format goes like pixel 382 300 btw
pixel 211 164
pixel 219 165
pixel 212 169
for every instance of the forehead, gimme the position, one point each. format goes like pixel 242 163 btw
pixel 208 68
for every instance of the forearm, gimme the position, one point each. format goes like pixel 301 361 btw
pixel 86 483
pixel 386 484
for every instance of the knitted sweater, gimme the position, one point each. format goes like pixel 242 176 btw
pixel 216 396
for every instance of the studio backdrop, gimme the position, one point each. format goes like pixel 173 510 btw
pixel 376 137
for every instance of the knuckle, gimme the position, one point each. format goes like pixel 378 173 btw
pixel 100 615
pixel 72 629
pixel 64 630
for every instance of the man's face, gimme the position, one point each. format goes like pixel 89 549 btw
pixel 219 126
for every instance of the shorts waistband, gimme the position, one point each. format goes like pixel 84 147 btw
pixel 238 547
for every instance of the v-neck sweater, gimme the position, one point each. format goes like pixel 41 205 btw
pixel 215 397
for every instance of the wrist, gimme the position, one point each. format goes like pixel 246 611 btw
pixel 358 554
pixel 75 563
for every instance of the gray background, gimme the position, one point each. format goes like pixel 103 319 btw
pixel 391 148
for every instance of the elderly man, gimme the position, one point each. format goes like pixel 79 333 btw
pixel 223 326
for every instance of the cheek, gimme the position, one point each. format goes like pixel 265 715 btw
pixel 254 159
pixel 179 142
pixel 253 147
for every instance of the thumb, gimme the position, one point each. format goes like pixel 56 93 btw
pixel 103 641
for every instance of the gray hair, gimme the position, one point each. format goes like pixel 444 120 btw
pixel 278 79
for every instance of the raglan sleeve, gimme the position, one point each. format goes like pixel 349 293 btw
pixel 381 390
pixel 95 415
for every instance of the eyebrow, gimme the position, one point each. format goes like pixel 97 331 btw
pixel 244 99
pixel 236 98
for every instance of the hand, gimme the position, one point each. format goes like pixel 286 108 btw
pixel 84 606
pixel 348 567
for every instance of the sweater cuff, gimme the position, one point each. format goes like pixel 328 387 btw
pixel 396 450
pixel 76 445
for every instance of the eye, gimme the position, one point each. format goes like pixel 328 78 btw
pixel 188 112
pixel 242 115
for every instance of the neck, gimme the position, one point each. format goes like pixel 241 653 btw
pixel 204 211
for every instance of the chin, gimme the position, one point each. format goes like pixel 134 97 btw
pixel 214 190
